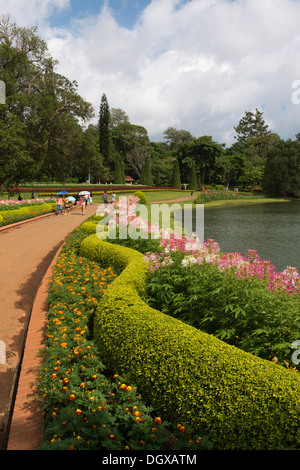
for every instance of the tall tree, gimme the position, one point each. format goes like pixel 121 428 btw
pixel 119 176
pixel 193 177
pixel 41 106
pixel 176 180
pixel 252 125
pixel 117 116
pixel 146 174
pixel 282 169
pixel 104 132
pixel 174 137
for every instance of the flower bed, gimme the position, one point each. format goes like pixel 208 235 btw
pixel 10 216
pixel 16 204
pixel 224 196
pixel 85 408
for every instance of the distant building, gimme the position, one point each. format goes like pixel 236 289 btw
pixel 128 179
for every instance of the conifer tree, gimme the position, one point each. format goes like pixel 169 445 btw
pixel 146 174
pixel 119 177
pixel 176 179
pixel 193 177
pixel 104 133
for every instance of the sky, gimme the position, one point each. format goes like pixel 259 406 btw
pixel 196 65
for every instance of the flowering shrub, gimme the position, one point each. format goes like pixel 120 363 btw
pixel 250 265
pixel 16 204
pixel 240 299
pixel 24 213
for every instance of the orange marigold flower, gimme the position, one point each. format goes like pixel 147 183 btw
pixel 158 420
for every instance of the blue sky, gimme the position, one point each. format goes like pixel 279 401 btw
pixel 196 65
pixel 126 12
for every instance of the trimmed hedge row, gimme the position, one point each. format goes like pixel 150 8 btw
pixel 238 400
pixel 16 215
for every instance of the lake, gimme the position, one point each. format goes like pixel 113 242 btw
pixel 273 229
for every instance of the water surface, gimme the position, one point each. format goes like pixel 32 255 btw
pixel 273 229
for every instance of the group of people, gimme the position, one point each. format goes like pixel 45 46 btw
pixel 64 204
pixel 106 198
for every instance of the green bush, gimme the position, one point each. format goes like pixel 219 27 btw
pixel 141 196
pixel 242 312
pixel 238 400
pixel 16 215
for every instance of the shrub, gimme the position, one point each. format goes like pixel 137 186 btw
pixel 16 215
pixel 141 196
pixel 240 401
pixel 83 408
pixel 240 311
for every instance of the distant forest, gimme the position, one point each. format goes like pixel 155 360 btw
pixel 46 135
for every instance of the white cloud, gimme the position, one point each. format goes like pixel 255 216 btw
pixel 196 65
pixel 32 12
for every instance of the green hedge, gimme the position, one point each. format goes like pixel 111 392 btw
pixel 16 215
pixel 238 400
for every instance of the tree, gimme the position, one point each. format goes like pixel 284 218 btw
pixel 104 132
pixel 146 174
pixel 282 169
pixel 174 137
pixel 193 177
pixel 203 152
pixel 117 116
pixel 41 107
pixel 251 125
pixel 119 177
pixel 176 180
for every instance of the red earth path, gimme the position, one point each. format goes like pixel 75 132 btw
pixel 26 252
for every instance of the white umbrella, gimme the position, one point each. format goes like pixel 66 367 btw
pixel 83 193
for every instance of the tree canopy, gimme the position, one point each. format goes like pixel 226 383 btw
pixel 46 134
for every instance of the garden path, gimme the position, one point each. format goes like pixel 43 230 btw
pixel 26 252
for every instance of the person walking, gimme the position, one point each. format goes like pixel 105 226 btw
pixel 59 203
pixel 105 198
pixel 67 205
pixel 82 202
pixel 113 197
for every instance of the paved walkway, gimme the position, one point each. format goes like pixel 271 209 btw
pixel 26 253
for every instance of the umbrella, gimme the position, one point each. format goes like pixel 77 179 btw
pixel 83 193
pixel 62 192
pixel 71 198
